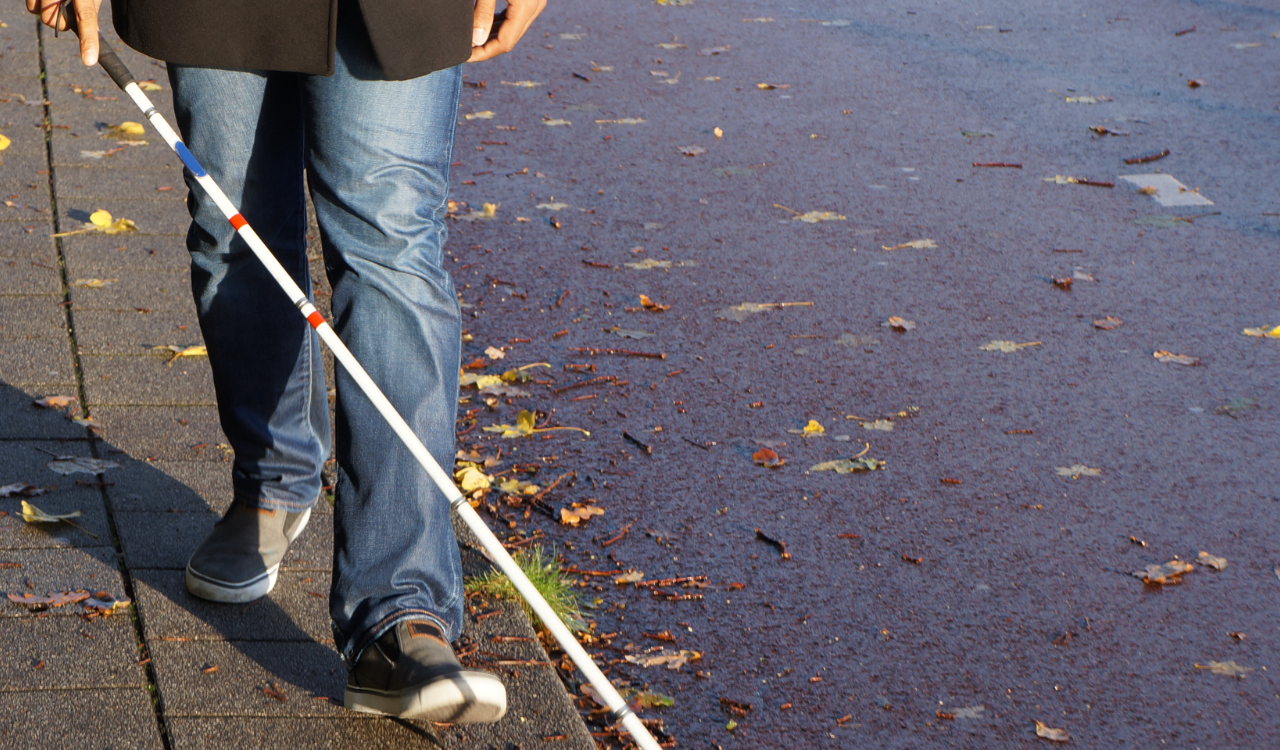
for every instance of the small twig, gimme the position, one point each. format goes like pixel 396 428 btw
pixel 617 537
pixel 777 544
pixel 1095 183
pixel 584 383
pixel 695 445
pixel 997 164
pixel 554 483
pixel 637 442
pixel 620 352
pixel 1148 158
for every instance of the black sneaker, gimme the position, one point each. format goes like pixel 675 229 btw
pixel 411 672
pixel 239 560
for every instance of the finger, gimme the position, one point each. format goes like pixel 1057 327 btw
pixel 519 15
pixel 87 20
pixel 33 6
pixel 482 22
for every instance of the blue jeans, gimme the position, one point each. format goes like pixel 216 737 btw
pixel 376 155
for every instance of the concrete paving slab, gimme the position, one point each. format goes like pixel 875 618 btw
pixel 92 183
pixel 36 361
pixel 179 433
pixel 21 183
pixel 66 651
pixel 147 380
pixel 45 570
pixel 23 59
pixel 318 734
pixel 132 334
pixel 29 276
pixel 165 486
pixel 121 254
pixel 151 290
pixel 22 419
pixel 165 540
pixel 32 315
pixel 310 675
pixel 26 224
pixel 89 150
pixel 121 719
pixel 289 613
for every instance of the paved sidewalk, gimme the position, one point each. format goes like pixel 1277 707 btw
pixel 81 316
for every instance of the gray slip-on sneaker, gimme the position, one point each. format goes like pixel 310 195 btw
pixel 239 560
pixel 411 672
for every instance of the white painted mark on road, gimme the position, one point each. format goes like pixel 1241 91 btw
pixel 1169 192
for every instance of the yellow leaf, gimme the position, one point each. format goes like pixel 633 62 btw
pixel 1177 359
pixel 131 128
pixel 32 514
pixel 1077 470
pixel 486 115
pixel 813 428
pixel 813 217
pixel 884 425
pixel 93 283
pixel 1006 346
pixel 100 218
pixel 914 245
pixel 1224 668
pixel 491 209
pixel 1271 333
pixel 471 478
pixel 55 402
pixel 4 142
pixel 149 86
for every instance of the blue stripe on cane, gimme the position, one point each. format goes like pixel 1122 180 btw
pixel 189 160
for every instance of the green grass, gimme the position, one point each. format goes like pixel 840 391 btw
pixel 544 572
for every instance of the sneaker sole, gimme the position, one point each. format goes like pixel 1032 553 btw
pixel 467 698
pixel 231 593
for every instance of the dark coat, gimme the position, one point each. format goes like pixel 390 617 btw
pixel 410 37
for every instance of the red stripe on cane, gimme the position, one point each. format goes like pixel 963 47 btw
pixel 238 221
pixel 315 319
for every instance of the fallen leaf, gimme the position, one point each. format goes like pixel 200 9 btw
pixel 648 304
pixel 128 131
pixel 1266 331
pixel 1211 561
pixel 648 263
pixel 669 658
pixel 1061 180
pixel 1075 471
pixel 1169 573
pixel 521 84
pixel 1087 99
pixel 1224 668
pixel 813 217
pixel 901 325
pixel 628 334
pixel 849 465
pixel 1051 734
pixel 622 121
pixel 884 425
pixel 183 351
pixel 1246 45
pixel 768 458
pixel 718 133
pixel 1148 190
pixel 555 123
pixel 150 85
pixel 556 206
pixel 645 699
pixel 80 465
pixel 494 353
pixel 486 115
pixel 671 45
pixel 709 51
pixel 691 150
pixel 914 245
pixel 813 428
pixel 524 427
pixel 32 514
pixel 105 604
pixel 1177 359
pixel 55 402
pixel 969 712
pixel 578 513
pixel 20 489
pixel 4 142
pixel 772 86
pixel 93 283
pixel 1236 405
pixel 1006 346
pixel 742 311
pixel 51 599
pixel 631 577
pixel 470 478
pixel 1108 323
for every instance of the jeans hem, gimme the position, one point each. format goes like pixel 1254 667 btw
pixel 389 622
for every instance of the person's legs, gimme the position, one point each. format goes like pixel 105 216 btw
pixel 245 127
pixel 378 160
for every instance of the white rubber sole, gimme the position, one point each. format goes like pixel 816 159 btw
pixel 466 698
pixel 226 592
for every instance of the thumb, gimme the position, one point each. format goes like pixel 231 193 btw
pixel 482 22
pixel 87 23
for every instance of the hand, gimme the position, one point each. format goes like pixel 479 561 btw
pixel 512 23
pixel 86 23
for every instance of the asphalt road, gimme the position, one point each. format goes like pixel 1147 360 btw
pixel 966 572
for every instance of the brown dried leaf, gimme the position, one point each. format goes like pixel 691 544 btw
pixel 1177 359
pixel 55 402
pixel 578 513
pixel 20 489
pixel 1108 323
pixel 901 325
pixel 51 599
pixel 1169 573
pixel 670 658
pixel 768 457
pixel 1049 733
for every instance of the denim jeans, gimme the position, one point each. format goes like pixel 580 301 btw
pixel 376 155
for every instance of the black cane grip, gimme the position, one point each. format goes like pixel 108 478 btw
pixel 110 62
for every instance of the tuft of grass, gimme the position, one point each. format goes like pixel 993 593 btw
pixel 545 574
